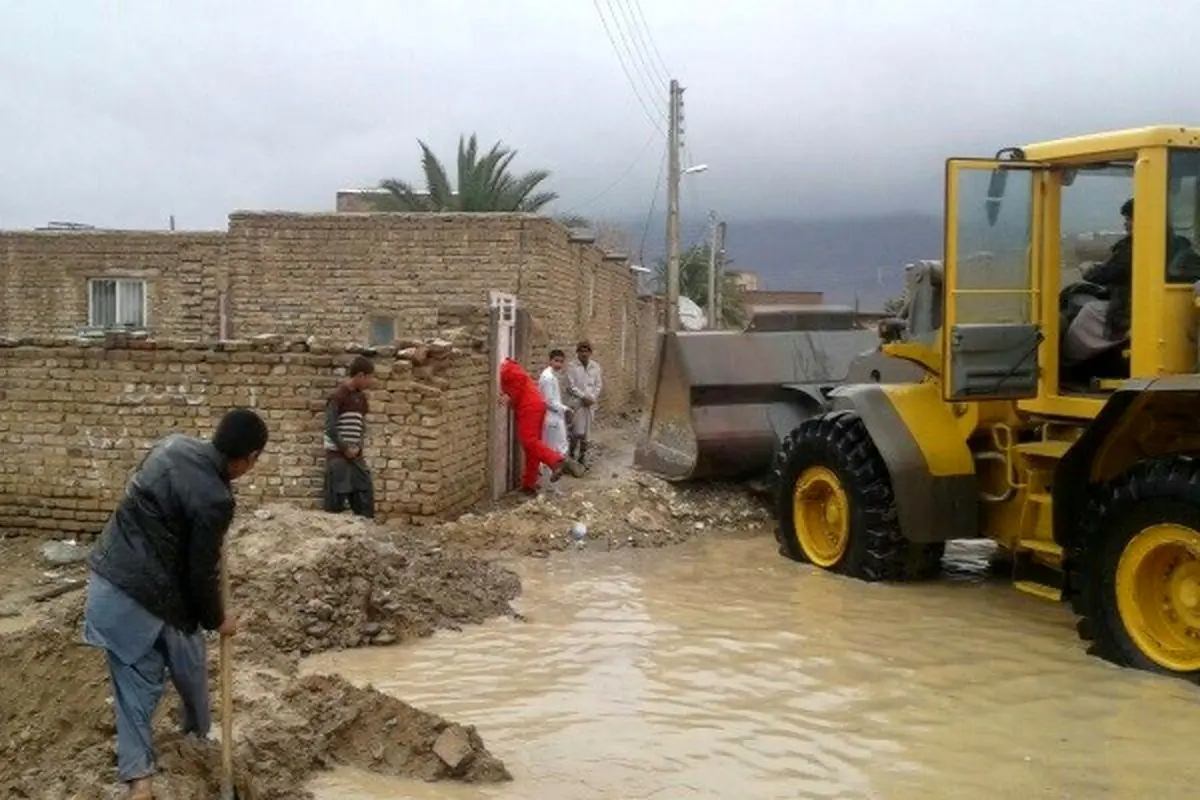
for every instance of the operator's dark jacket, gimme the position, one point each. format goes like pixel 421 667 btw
pixel 1116 274
pixel 162 546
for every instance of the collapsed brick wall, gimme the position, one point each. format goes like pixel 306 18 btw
pixel 77 417
pixel 45 277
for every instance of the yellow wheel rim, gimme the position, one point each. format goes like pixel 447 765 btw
pixel 1158 595
pixel 821 516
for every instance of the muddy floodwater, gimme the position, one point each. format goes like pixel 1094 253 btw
pixel 717 669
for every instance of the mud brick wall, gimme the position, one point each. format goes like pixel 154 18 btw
pixel 327 274
pixel 76 418
pixel 44 278
pixel 651 316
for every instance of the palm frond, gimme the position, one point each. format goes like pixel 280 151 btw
pixel 441 195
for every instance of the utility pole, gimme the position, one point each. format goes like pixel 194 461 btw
pixel 716 261
pixel 712 269
pixel 673 172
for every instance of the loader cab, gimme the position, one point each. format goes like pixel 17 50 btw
pixel 1021 227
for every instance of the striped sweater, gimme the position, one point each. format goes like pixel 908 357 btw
pixel 345 420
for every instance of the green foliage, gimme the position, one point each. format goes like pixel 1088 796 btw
pixel 484 183
pixel 693 284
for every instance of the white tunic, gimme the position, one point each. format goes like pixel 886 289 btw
pixel 584 382
pixel 554 428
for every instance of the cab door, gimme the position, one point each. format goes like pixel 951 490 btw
pixel 991 277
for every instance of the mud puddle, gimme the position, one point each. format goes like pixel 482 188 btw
pixel 717 669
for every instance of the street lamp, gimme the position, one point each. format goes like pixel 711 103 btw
pixel 695 169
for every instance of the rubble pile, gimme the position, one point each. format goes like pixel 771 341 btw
pixel 638 510
pixel 306 582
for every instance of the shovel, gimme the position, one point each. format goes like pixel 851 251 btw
pixel 228 790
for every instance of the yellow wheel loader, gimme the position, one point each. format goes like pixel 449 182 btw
pixel 1058 408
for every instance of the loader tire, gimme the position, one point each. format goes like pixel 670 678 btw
pixel 830 461
pixel 1134 579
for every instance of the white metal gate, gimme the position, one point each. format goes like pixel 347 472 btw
pixel 504 328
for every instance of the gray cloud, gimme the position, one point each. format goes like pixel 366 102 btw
pixel 123 113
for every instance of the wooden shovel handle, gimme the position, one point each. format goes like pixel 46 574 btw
pixel 227 787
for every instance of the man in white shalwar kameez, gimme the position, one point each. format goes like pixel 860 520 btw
pixel 554 428
pixel 584 381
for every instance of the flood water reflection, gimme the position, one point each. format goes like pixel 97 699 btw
pixel 717 669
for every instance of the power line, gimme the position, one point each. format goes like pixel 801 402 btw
pixel 621 177
pixel 662 167
pixel 643 52
pixel 655 121
pixel 650 37
pixel 650 84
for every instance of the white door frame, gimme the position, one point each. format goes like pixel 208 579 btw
pixel 504 328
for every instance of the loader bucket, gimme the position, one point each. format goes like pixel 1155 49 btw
pixel 723 400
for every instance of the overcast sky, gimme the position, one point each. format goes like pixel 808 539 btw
pixel 121 113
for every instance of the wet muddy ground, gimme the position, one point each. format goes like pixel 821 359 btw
pixel 718 669
pixel 669 652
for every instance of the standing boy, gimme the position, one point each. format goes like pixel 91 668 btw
pixel 554 429
pixel 347 477
pixel 155 583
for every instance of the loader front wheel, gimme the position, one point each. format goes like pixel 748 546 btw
pixel 836 507
pixel 1139 584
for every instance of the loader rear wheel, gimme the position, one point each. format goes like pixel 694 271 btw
pixel 836 507
pixel 1138 586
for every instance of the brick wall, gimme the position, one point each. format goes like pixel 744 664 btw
pixel 328 276
pixel 45 279
pixel 75 419
pixel 762 297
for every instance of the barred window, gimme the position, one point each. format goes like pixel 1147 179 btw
pixel 117 303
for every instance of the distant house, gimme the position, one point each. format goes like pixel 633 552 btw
pixel 746 279
pixel 761 300
pixel 349 200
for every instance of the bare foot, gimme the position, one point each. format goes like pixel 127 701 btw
pixel 140 789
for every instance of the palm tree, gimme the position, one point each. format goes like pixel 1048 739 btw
pixel 483 184
pixel 693 284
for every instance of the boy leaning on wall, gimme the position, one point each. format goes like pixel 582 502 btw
pixel 348 481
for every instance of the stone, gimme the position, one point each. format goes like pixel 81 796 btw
pixel 263 513
pixel 384 639
pixel 64 553
pixel 370 629
pixel 644 521
pixel 453 746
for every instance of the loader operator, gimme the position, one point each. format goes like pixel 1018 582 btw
pixel 1101 325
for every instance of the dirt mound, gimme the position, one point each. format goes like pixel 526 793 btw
pixel 305 582
pixel 58 730
pixel 302 582
pixel 634 510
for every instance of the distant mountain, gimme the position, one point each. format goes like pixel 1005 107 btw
pixel 846 258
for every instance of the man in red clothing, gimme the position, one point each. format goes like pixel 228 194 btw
pixel 520 392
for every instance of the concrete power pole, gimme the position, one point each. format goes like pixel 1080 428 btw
pixel 673 174
pixel 715 248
